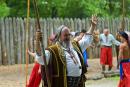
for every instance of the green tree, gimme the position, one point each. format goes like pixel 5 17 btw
pixel 18 8
pixel 65 8
pixel 72 9
pixel 104 8
pixel 4 10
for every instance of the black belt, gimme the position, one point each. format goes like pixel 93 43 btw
pixel 73 81
pixel 125 60
pixel 106 46
pixel 73 78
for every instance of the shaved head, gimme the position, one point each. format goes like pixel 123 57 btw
pixel 106 32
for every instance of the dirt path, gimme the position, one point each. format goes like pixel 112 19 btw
pixel 14 76
pixel 94 70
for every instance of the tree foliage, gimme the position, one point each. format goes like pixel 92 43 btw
pixel 4 10
pixel 65 8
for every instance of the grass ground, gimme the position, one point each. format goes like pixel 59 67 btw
pixel 105 82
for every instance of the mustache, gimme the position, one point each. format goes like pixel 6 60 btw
pixel 66 43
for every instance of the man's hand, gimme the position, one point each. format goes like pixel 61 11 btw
pixel 39 70
pixel 94 20
pixel 38 41
pixel 38 36
pixel 93 24
pixel 30 53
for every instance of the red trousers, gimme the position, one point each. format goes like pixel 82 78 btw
pixel 106 56
pixel 125 82
pixel 35 77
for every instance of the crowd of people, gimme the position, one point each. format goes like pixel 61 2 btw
pixel 66 57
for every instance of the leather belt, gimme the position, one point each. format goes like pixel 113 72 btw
pixel 106 46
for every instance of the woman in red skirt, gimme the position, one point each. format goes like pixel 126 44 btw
pixel 35 77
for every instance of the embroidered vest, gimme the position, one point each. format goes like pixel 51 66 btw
pixel 58 67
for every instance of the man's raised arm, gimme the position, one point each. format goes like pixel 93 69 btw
pixel 88 38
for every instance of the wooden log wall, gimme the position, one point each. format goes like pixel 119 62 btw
pixel 13 34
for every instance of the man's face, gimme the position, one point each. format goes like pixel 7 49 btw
pixel 106 32
pixel 81 34
pixel 65 35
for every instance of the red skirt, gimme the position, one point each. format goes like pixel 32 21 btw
pixel 35 77
pixel 106 56
pixel 125 81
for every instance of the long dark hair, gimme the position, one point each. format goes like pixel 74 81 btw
pixel 125 35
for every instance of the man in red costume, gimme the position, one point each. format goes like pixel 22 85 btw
pixel 106 40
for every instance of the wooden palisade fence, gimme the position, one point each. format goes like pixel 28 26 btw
pixel 12 34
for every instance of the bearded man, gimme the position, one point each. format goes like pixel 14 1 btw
pixel 65 59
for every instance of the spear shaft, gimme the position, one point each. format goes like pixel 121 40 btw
pixel 39 40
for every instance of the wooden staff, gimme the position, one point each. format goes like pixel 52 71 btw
pixel 39 43
pixel 27 28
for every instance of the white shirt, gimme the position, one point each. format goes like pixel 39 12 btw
pixel 108 40
pixel 72 68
